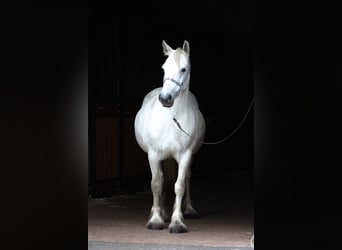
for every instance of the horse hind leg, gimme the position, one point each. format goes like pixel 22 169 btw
pixel 156 220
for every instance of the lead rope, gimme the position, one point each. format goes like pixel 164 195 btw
pixel 220 141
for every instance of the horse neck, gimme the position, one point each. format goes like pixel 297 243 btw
pixel 181 103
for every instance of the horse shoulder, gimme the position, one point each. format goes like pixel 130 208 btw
pixel 193 100
pixel 199 119
pixel 151 95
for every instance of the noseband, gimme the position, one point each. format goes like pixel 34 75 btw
pixel 180 84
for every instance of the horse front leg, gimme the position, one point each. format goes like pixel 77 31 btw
pixel 156 220
pixel 177 221
pixel 189 211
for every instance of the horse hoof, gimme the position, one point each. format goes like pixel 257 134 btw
pixel 191 214
pixel 155 225
pixel 178 228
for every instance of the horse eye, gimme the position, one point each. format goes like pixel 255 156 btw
pixel 183 70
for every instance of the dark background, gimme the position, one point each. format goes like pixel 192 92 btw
pixel 297 87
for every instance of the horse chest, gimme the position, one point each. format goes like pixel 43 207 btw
pixel 166 136
pixel 164 131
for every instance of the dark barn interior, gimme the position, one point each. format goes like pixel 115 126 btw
pixel 125 58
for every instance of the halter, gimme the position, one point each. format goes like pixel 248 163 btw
pixel 179 84
pixel 174 81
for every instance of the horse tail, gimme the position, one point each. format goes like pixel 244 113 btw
pixel 170 171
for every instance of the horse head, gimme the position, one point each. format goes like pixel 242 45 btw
pixel 176 73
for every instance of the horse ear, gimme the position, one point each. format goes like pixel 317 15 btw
pixel 166 48
pixel 186 46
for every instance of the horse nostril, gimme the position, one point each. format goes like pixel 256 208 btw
pixel 166 100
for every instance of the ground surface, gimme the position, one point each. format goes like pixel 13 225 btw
pixel 224 202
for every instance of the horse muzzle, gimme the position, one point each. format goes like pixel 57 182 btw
pixel 166 100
